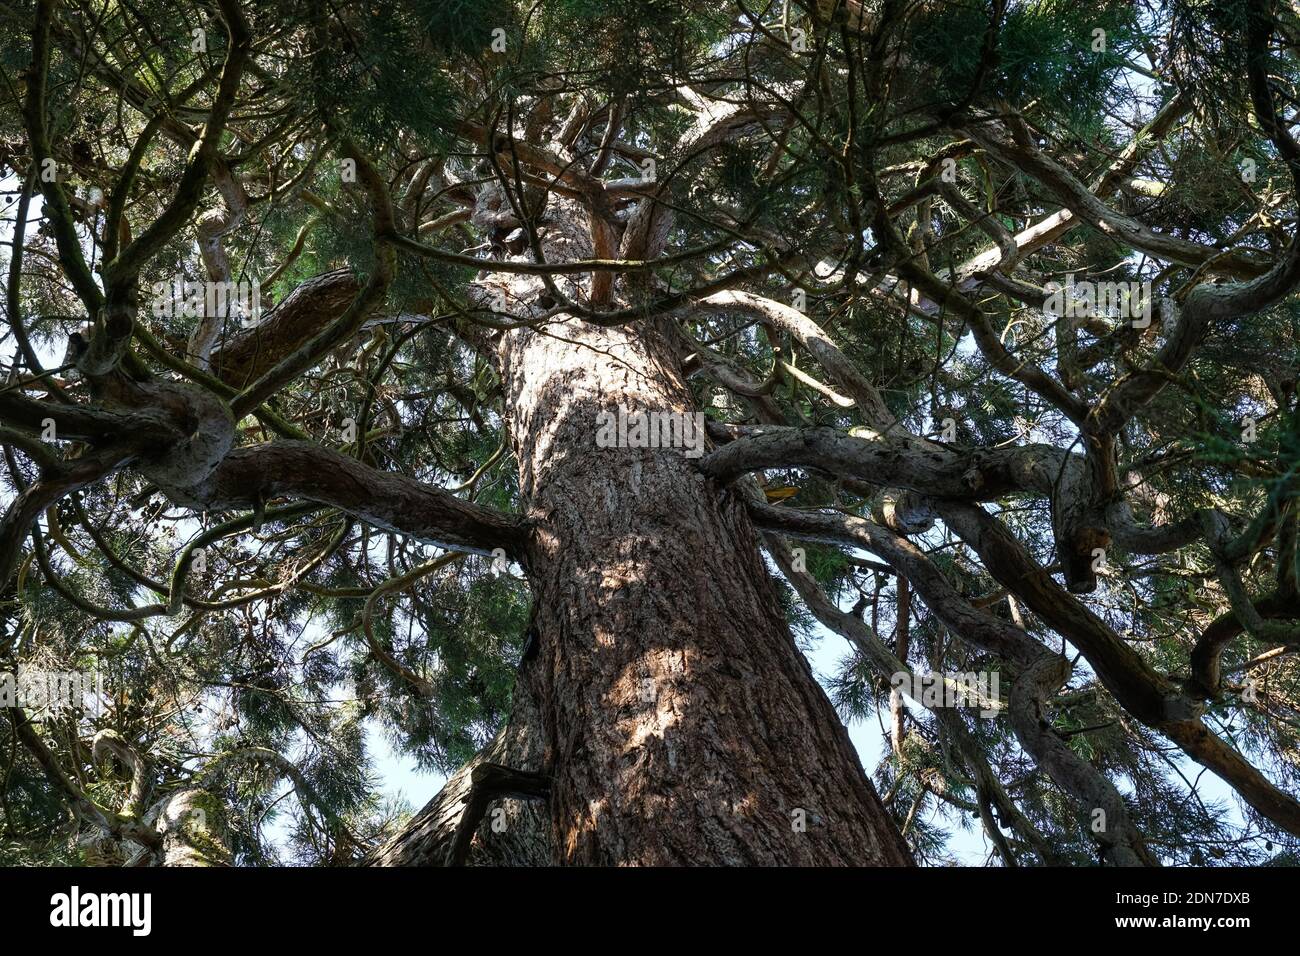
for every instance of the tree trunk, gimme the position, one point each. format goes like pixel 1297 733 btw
pixel 681 723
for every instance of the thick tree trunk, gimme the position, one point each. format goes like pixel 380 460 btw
pixel 681 723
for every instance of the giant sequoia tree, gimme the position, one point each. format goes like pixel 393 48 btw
pixel 317 317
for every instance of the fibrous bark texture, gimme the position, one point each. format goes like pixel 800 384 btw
pixel 682 724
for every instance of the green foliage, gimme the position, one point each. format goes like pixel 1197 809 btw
pixel 624 47
pixel 1046 56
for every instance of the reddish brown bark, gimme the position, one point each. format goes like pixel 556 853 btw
pixel 681 723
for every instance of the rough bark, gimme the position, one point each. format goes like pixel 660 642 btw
pixel 682 725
